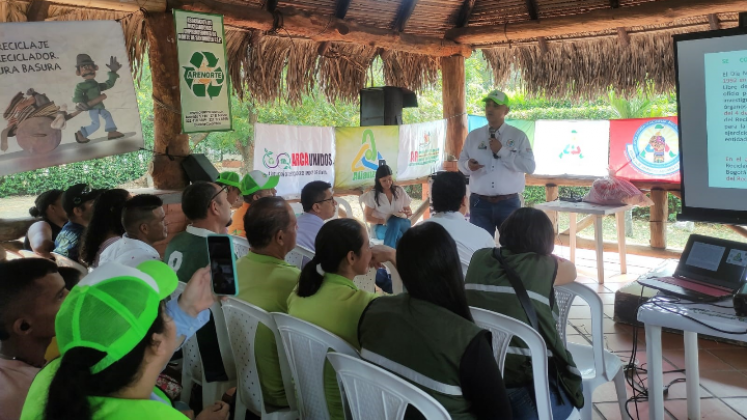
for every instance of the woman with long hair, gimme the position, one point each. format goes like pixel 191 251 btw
pixel 428 336
pixel 388 207
pixel 105 227
pixel 41 235
pixel 527 241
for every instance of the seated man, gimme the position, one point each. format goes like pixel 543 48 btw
pixel 319 205
pixel 266 281
pixel 254 185
pixel 144 221
pixel 450 204
pixel 78 204
pixel 232 182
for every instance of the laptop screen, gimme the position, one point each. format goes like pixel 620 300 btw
pixel 717 261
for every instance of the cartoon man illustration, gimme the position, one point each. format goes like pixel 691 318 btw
pixel 658 145
pixel 572 148
pixel 88 97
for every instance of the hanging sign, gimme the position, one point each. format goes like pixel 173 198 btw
pixel 204 85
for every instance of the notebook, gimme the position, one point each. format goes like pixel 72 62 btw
pixel 709 269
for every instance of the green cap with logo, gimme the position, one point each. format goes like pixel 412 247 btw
pixel 112 309
pixel 232 179
pixel 498 97
pixel 258 180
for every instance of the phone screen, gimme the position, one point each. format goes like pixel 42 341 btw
pixel 222 265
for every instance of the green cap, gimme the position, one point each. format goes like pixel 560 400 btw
pixel 258 180
pixel 112 309
pixel 498 97
pixel 232 179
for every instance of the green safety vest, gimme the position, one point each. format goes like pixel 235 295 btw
pixel 103 408
pixel 421 342
pixel 488 288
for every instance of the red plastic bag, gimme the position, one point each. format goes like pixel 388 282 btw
pixel 612 191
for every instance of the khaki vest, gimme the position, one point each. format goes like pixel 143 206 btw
pixel 421 342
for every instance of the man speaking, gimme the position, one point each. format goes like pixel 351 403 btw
pixel 495 157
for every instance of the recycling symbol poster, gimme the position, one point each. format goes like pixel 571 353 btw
pixel 204 85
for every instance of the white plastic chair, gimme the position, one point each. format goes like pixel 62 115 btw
pixel 596 364
pixel 306 347
pixel 297 255
pixel 370 392
pixel 242 320
pixel 346 206
pixel 367 281
pixel 240 246
pixel 371 227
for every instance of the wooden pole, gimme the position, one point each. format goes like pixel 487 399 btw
pixel 154 6
pixel 167 171
pixel 658 218
pixel 585 243
pixel 12 229
pixel 426 195
pixel 551 194
pixel 455 104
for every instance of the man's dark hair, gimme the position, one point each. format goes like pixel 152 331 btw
pixel 249 198
pixel 70 275
pixel 264 219
pixel 528 230
pixel 196 199
pixel 139 210
pixel 447 191
pixel 312 193
pixel 16 278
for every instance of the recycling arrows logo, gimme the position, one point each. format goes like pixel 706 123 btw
pixel 204 77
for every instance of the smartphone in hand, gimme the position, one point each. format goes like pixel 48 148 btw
pixel 222 266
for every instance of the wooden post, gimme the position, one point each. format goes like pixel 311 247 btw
pixel 167 171
pixel 551 194
pixel 658 218
pixel 426 195
pixel 455 105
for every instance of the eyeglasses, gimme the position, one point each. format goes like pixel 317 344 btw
pixel 225 187
pixel 332 199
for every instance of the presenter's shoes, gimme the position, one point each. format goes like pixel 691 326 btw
pixel 114 135
pixel 80 138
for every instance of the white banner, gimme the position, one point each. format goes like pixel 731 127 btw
pixel 571 147
pixel 298 154
pixel 67 94
pixel 421 149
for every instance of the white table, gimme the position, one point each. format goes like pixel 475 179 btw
pixel 661 311
pixel 598 211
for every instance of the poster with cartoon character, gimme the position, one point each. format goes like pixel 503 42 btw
pixel 645 149
pixel 67 96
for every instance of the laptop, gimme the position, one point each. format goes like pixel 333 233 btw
pixel 709 269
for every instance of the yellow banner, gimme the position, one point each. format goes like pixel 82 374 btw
pixel 359 151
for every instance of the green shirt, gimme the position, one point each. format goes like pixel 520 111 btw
pixel 188 252
pixel 336 306
pixel 90 89
pixel 267 282
pixel 103 408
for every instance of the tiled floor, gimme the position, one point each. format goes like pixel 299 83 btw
pixel 723 367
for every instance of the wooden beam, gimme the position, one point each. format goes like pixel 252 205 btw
pixel 714 22
pixel 465 13
pixel 585 243
pixel 341 8
pixel 403 14
pixel 37 11
pixel 454 95
pixel 658 218
pixel 12 229
pixel 581 224
pixel 739 229
pixel 651 13
pixel 614 4
pixel 532 9
pixel 322 28
pixel 152 6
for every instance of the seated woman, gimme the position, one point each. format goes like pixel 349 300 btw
pixel 115 338
pixel 427 335
pixel 105 226
pixel 388 207
pixel 326 295
pixel 527 239
pixel 41 235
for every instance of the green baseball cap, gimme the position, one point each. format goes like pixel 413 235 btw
pixel 257 180
pixel 232 179
pixel 112 309
pixel 498 97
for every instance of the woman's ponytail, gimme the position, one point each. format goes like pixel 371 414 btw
pixel 311 278
pixel 68 398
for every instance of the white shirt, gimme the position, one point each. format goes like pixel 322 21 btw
pixel 130 252
pixel 385 208
pixel 468 237
pixel 501 176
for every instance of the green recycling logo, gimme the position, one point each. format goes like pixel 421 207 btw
pixel 204 77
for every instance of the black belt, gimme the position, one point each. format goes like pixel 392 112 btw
pixel 497 198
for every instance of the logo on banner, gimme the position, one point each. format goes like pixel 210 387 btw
pixel 294 160
pixel 427 152
pixel 366 160
pixel 655 148
pixel 572 149
pixel 204 77
pixel 282 161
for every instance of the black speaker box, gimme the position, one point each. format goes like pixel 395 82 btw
pixel 383 105
pixel 199 168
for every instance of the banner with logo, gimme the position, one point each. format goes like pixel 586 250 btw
pixel 298 155
pixel 67 94
pixel 359 151
pixel 645 149
pixel 205 90
pixel 476 121
pixel 421 149
pixel 571 147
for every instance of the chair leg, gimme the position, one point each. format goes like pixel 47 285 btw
pixel 587 409
pixel 622 392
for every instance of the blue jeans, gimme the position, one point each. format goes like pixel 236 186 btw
pixel 96 123
pixel 524 405
pixel 393 230
pixel 490 216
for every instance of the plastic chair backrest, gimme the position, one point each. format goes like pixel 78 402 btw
pixel 367 281
pixel 242 320
pixel 297 255
pixel 224 341
pixel 369 226
pixel 371 392
pixel 191 361
pixel 503 328
pixel 564 296
pixel 346 206
pixel 306 347
pixel 63 261
pixel 240 245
